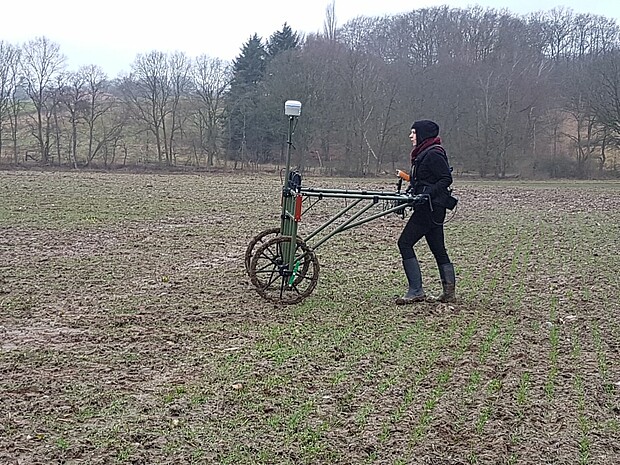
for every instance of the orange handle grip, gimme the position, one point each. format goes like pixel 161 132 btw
pixel 403 175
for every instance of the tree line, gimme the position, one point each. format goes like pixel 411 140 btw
pixel 535 95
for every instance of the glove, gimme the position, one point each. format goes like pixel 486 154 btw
pixel 421 199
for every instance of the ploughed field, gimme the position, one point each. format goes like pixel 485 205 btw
pixel 131 333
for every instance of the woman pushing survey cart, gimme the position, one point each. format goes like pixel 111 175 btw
pixel 283 266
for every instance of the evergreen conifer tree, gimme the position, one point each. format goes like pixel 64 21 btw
pixel 245 135
pixel 281 41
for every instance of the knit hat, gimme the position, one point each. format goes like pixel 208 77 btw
pixel 425 129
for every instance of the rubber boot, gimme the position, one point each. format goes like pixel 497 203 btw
pixel 448 283
pixel 415 293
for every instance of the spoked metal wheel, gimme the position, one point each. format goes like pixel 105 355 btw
pixel 272 278
pixel 259 240
pixel 256 242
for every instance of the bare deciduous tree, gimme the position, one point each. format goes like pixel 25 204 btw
pixel 153 91
pixel 605 74
pixel 10 105
pixel 330 25
pixel 41 63
pixel 179 67
pixel 211 79
pixel 73 98
pixel 98 104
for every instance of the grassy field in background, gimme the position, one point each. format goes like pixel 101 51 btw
pixel 131 334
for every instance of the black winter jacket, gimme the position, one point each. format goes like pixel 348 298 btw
pixel 431 174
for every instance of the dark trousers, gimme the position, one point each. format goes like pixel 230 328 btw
pixel 427 224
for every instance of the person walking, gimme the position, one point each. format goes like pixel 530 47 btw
pixel 431 175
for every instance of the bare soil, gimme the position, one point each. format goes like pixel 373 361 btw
pixel 130 331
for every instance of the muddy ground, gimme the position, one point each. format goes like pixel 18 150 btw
pixel 130 332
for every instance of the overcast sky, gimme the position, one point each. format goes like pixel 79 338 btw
pixel 110 33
